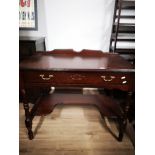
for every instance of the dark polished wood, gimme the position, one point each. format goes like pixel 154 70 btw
pixel 67 68
pixel 107 106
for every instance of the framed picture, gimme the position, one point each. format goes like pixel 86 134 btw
pixel 28 15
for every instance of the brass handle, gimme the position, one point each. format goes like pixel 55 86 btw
pixel 48 78
pixel 106 79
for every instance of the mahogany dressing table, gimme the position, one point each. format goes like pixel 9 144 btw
pixel 67 68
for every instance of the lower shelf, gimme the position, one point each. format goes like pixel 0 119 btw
pixel 106 105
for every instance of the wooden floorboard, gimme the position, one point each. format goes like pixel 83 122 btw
pixel 72 130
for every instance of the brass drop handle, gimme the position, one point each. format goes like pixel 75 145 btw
pixel 108 79
pixel 48 78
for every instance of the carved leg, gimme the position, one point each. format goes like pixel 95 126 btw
pixel 123 121
pixel 28 120
pixel 28 123
pixel 122 126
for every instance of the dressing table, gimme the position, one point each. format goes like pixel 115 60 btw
pixel 67 68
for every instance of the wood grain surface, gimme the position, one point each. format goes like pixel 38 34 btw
pixel 72 130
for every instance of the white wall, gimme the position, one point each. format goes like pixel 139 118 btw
pixel 79 24
pixel 41 22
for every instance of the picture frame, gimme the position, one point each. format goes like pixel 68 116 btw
pixel 28 19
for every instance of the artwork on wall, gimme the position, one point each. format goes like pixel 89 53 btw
pixel 28 15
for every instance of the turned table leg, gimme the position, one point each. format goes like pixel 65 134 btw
pixel 28 119
pixel 28 123
pixel 122 126
pixel 123 120
pixel 30 115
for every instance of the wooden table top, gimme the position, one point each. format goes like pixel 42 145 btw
pixel 86 60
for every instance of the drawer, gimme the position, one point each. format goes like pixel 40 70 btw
pixel 76 78
pixel 111 78
pixel 40 76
